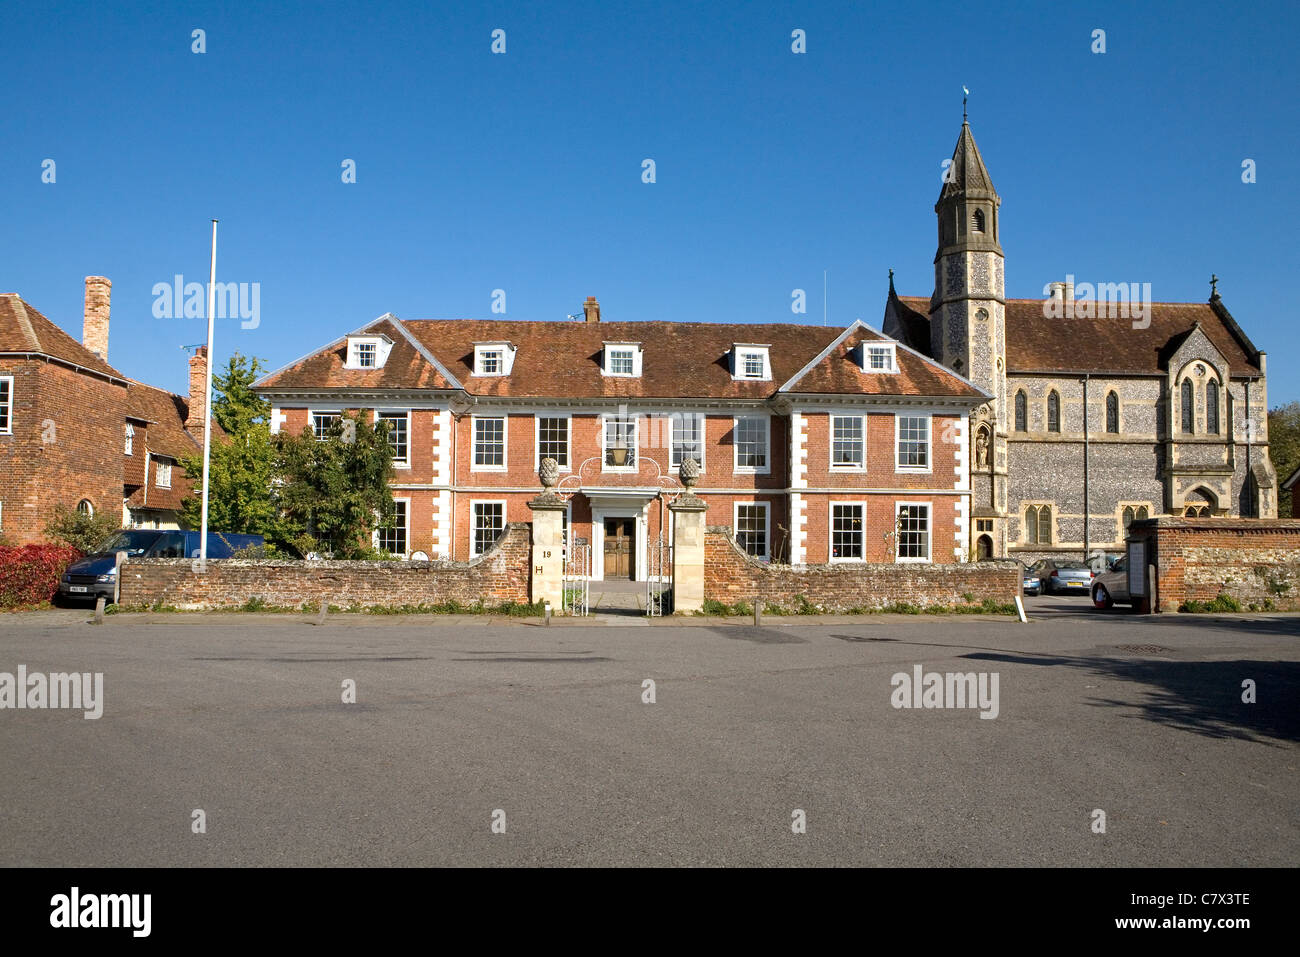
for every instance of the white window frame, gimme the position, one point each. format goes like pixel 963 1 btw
pixel 485 354
pixel 406 529
pixel 129 441
pixel 607 364
pixel 736 467
pixel 636 442
pixel 473 443
pixel 162 466
pixel 701 420
pixel 537 438
pixel 474 503
pixel 381 344
pixel 360 348
pixel 852 467
pixel 891 353
pixel 311 419
pixel 929 443
pixel 741 351
pixel 767 526
pixel 8 405
pixel 830 530
pixel 396 414
pixel 929 532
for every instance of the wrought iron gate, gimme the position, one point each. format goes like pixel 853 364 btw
pixel 577 577
pixel 659 579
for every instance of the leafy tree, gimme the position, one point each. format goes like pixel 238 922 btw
pixel 81 531
pixel 241 464
pixel 332 493
pixel 1284 448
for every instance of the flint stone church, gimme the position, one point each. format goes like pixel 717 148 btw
pixel 1168 417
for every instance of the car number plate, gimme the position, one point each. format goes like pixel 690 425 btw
pixel 76 588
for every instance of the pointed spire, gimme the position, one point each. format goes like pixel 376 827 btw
pixel 967 173
pixel 891 283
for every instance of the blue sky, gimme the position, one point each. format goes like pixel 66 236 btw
pixel 522 171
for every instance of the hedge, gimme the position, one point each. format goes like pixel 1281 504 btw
pixel 29 574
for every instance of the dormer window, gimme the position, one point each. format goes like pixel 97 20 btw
pixel 623 359
pixel 750 361
pixel 879 357
pixel 367 352
pixel 493 358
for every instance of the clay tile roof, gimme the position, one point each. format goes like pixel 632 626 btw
pixel 564 359
pixel 839 372
pixel 1039 344
pixel 165 414
pixel 23 329
pixel 405 367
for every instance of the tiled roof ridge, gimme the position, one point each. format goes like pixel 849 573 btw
pixel 1154 302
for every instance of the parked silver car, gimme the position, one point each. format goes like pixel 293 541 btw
pixel 1063 577
pixel 1110 588
pixel 1032 584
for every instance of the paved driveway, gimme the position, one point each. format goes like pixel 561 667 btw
pixel 241 716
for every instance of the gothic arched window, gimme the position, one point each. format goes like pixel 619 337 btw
pixel 977 221
pixel 1189 410
pixel 1022 411
pixel 1053 412
pixel 1112 413
pixel 1038 525
pixel 1212 407
pixel 1132 514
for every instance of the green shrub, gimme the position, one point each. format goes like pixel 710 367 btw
pixel 1223 603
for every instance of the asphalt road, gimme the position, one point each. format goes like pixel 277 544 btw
pixel 241 716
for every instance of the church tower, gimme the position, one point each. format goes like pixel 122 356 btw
pixel 968 327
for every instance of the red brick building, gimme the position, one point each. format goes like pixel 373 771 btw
pixel 75 431
pixel 815 444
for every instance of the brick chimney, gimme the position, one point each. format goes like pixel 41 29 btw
pixel 198 392
pixel 592 308
pixel 94 328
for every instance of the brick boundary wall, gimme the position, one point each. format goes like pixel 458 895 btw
pixel 731 576
pixel 1255 560
pixel 496 577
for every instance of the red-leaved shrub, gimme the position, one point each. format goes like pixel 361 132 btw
pixel 29 574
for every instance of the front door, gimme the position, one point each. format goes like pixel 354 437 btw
pixel 620 534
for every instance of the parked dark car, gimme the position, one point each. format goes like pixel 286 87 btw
pixel 96 574
pixel 1032 584
pixel 1062 577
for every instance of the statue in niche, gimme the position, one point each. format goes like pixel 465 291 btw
pixel 981 448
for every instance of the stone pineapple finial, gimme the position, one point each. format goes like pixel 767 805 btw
pixel 549 473
pixel 690 473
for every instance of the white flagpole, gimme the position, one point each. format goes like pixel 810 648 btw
pixel 207 407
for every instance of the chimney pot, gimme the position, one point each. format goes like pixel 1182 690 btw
pixel 592 308
pixel 94 328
